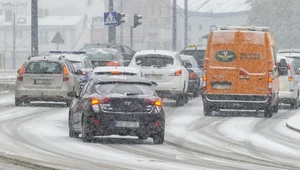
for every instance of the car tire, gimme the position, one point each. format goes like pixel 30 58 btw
pixel 196 94
pixel 68 103
pixel 159 137
pixel 276 108
pixel 87 135
pixel 18 102
pixel 295 104
pixel 186 98
pixel 180 100
pixel 73 134
pixel 207 111
pixel 268 112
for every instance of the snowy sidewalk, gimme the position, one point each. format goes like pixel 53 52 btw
pixel 294 123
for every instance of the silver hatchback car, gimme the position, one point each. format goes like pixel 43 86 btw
pixel 46 78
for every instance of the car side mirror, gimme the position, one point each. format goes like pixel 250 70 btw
pixel 154 84
pixel 78 72
pixel 72 94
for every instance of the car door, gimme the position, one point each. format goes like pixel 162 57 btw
pixel 74 77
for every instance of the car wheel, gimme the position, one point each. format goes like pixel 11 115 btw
pixel 275 108
pixel 268 112
pixel 207 111
pixel 87 135
pixel 68 103
pixel 73 134
pixel 196 94
pixel 295 104
pixel 186 98
pixel 18 102
pixel 180 100
pixel 159 138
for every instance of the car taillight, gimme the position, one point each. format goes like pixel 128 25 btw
pixel 112 63
pixel 290 77
pixel 192 75
pixel 83 73
pixel 96 101
pixel 20 73
pixel 204 79
pixel 65 74
pixel 154 101
pixel 270 82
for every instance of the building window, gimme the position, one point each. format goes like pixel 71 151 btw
pixel 190 28
pixel 200 27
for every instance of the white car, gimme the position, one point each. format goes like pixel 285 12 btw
pixel 166 69
pixel 127 71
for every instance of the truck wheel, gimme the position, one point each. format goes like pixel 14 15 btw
pixel 268 112
pixel 207 111
pixel 18 102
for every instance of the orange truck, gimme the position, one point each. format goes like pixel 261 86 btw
pixel 240 70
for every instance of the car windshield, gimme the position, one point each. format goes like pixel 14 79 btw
pixel 154 61
pixel 124 89
pixel 43 67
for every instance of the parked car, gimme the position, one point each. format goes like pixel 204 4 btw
pixel 195 51
pixel 289 78
pixel 80 61
pixel 167 69
pixel 195 74
pixel 233 74
pixel 114 106
pixel 122 71
pixel 46 78
pixel 124 50
pixel 105 57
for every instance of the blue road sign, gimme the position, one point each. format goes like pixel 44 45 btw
pixel 110 18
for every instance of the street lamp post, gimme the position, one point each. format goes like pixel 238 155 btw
pixel 14 35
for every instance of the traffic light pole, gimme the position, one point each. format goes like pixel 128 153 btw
pixel 174 35
pixel 111 29
pixel 131 36
pixel 34 28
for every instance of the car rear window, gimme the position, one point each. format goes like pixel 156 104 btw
pixel 154 61
pixel 197 54
pixel 43 67
pixel 77 64
pixel 101 56
pixel 124 89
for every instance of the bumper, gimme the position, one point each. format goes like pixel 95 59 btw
pixel 168 94
pixel 236 102
pixel 148 124
pixel 42 95
pixel 287 97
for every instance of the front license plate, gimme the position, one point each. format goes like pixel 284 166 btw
pixel 127 124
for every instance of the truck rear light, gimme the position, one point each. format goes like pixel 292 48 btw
pixel 20 73
pixel 243 73
pixel 65 74
pixel 270 81
pixel 204 78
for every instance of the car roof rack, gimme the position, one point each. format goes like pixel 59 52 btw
pixel 245 28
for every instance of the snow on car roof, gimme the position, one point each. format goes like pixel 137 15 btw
pixel 121 69
pixel 161 52
pixel 184 57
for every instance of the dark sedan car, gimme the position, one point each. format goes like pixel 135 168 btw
pixel 114 106
pixel 124 50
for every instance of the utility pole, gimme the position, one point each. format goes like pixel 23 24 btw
pixel 34 28
pixel 111 29
pixel 185 23
pixel 121 30
pixel 14 35
pixel 174 37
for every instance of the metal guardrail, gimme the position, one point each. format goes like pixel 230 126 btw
pixel 8 76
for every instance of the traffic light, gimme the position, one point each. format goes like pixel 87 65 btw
pixel 121 18
pixel 136 21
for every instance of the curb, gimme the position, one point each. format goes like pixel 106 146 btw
pixel 292 128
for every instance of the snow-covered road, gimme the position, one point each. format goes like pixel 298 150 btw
pixel 38 134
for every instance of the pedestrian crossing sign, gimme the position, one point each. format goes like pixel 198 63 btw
pixel 110 18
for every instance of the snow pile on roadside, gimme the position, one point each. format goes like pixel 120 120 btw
pixel 294 123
